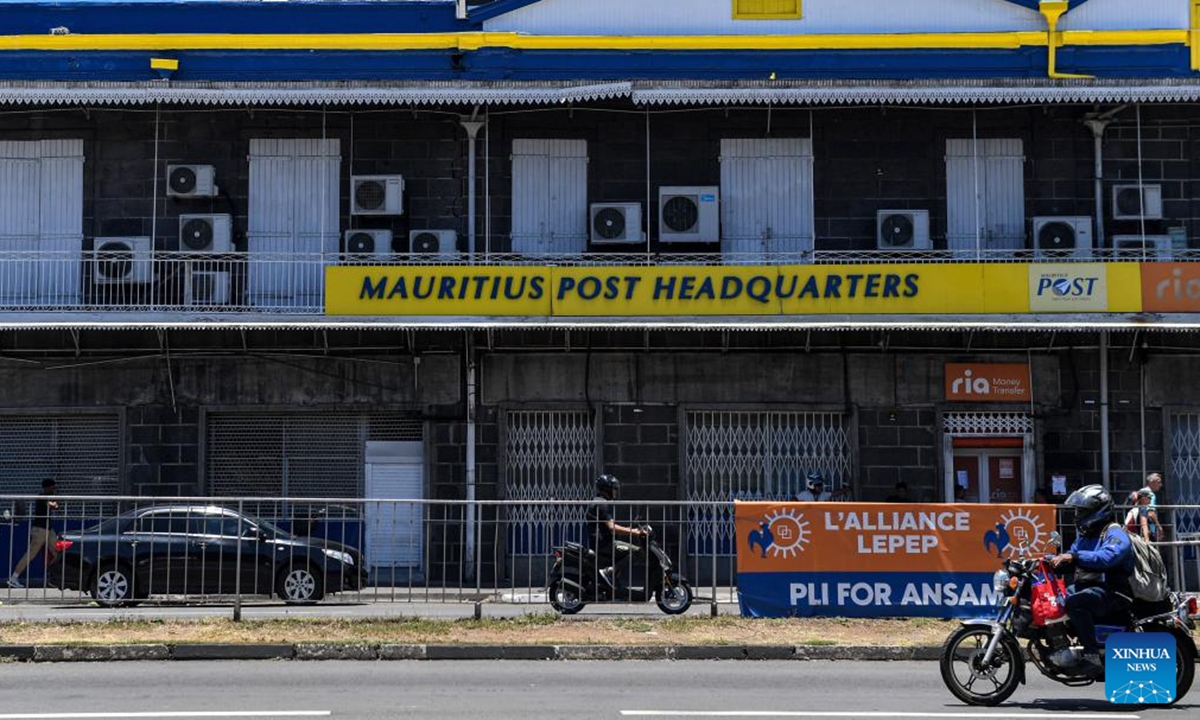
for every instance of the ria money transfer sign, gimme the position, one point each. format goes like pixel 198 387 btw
pixel 879 560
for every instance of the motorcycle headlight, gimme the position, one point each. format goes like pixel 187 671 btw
pixel 1000 581
pixel 342 557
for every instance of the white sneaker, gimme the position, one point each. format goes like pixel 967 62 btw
pixel 13 582
pixel 606 573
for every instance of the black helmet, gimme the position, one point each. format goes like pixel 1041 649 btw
pixel 608 485
pixel 1093 509
pixel 816 483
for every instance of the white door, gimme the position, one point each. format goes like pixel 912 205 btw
pixel 766 197
pixel 395 534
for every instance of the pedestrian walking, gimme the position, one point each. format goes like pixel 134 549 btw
pixel 41 531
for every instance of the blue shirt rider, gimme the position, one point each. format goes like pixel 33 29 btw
pixel 1103 559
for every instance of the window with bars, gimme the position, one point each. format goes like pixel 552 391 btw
pixel 548 455
pixel 296 454
pixel 80 452
pixel 756 455
pixel 767 9
pixel 1185 474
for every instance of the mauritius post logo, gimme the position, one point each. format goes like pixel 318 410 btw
pixel 782 533
pixel 1139 668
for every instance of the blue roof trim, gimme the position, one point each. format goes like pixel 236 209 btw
pixel 600 66
pixel 497 8
pixel 209 16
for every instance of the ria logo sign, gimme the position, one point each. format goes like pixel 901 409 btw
pixel 1139 668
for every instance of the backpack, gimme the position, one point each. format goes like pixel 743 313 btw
pixel 1149 577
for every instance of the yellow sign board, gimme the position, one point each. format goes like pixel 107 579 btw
pixel 732 291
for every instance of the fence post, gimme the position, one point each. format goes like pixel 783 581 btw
pixel 237 569
pixel 713 607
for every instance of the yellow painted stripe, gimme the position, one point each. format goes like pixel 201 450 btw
pixel 475 41
pixel 1195 34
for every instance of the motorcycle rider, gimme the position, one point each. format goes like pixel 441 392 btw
pixel 1103 559
pixel 815 490
pixel 604 529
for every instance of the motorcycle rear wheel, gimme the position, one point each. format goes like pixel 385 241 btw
pixel 1185 668
pixel 565 598
pixel 961 667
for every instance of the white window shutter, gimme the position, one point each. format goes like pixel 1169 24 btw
pixel 549 196
pixel 766 196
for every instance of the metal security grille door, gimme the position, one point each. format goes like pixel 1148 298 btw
pixel 1185 472
pixel 548 455
pixel 985 194
pixel 41 214
pixel 82 453
pixel 394 530
pixel 757 455
pixel 549 198
pixel 766 197
pixel 293 220
pixel 296 454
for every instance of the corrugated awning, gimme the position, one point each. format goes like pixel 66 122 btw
pixel 917 92
pixel 315 93
pixel 790 92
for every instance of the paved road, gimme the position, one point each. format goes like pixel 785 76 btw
pixel 511 690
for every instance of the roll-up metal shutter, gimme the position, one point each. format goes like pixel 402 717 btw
pixel 81 452
pixel 296 454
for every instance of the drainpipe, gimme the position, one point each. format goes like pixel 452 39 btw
pixel 1052 10
pixel 460 9
pixel 472 126
pixel 469 550
pixel 1104 461
pixel 1097 126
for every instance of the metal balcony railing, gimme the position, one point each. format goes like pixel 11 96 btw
pixel 294 283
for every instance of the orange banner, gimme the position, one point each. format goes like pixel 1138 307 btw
pixel 1170 287
pixel 886 537
pixel 988 382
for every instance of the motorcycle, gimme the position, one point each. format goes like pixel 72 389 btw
pixel 982 663
pixel 575 580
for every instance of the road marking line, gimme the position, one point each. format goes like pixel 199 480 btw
pixel 178 714
pixel 859 714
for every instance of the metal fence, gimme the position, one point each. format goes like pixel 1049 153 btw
pixel 129 550
pixel 139 279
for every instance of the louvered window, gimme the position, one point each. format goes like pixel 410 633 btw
pixel 41 217
pixel 766 197
pixel 80 452
pixel 296 454
pixel 985 194
pixel 549 197
pixel 767 9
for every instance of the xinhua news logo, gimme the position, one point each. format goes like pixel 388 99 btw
pixel 1139 668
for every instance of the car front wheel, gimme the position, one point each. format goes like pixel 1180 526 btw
pixel 300 584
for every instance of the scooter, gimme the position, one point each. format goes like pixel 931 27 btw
pixel 575 580
pixel 982 663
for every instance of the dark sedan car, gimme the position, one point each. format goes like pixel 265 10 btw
pixel 198 550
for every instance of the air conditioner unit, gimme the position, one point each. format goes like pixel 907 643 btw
pixel 1065 236
pixel 206 233
pixel 122 260
pixel 689 214
pixel 206 287
pixel 1154 248
pixel 616 223
pixel 191 181
pixel 376 195
pixel 902 230
pixel 1133 202
pixel 368 244
pixel 436 243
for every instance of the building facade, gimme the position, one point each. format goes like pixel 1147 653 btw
pixel 255 249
